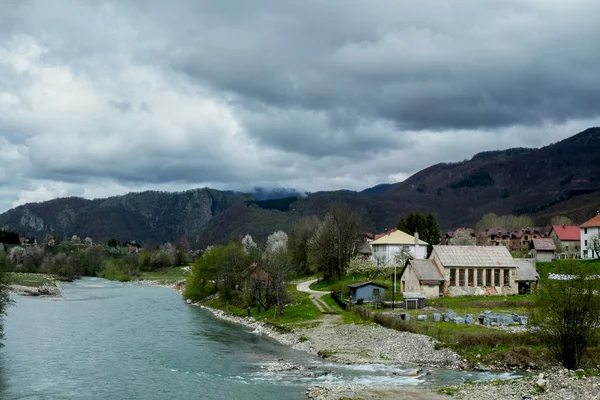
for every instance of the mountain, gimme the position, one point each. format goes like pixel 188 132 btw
pixel 559 179
pixel 260 193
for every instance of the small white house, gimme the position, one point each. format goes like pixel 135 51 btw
pixel 387 247
pixel 589 231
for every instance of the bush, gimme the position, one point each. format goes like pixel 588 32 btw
pixel 197 293
pixel 361 312
pixel 394 322
pixel 360 302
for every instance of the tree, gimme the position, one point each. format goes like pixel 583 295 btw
pixel 298 243
pixel 425 225
pixel 182 249
pixel 277 265
pixel 332 245
pixel 567 314
pixel 361 266
pixel 462 237
pixel 249 245
pixel 5 301
pixel 594 244
pixel 276 242
pixel 561 220
pixel 509 222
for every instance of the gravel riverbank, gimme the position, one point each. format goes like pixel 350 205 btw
pixel 47 291
pixel 555 385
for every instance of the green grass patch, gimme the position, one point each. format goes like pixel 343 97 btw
pixel 165 274
pixel 30 279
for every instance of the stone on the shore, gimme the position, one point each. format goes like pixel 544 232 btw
pixel 188 301
pixel 541 383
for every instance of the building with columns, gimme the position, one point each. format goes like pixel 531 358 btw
pixel 476 270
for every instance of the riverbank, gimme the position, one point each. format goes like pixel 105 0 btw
pixel 46 291
pixel 553 385
pixel 178 286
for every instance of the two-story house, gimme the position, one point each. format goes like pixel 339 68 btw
pixel 388 246
pixel 589 232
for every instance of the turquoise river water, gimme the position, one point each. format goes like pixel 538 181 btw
pixel 110 340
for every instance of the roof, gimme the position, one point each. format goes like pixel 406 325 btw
pixel 567 232
pixel 426 270
pixel 361 284
pixel 592 223
pixel 396 237
pixel 364 248
pixel 474 256
pixel 526 270
pixel 543 245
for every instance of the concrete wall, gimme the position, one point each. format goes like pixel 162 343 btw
pixel 542 256
pixel 586 251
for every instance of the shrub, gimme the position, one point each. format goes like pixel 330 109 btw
pixel 360 302
pixel 476 339
pixel 393 322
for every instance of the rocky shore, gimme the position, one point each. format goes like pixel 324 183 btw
pixel 178 286
pixel 47 291
pixel 554 385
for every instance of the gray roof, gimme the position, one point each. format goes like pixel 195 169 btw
pixel 526 270
pixel 426 270
pixel 474 256
pixel 543 244
pixel 361 284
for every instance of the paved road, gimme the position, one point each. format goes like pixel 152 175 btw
pixel 305 287
pixel 315 296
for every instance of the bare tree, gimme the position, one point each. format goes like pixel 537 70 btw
pixel 302 231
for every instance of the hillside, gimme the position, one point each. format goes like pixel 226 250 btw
pixel 562 178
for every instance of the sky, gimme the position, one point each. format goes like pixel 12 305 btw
pixel 99 98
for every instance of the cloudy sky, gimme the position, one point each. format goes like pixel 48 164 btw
pixel 106 97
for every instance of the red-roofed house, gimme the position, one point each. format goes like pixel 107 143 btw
pixel 589 231
pixel 568 236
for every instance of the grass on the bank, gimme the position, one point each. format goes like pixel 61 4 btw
pixel 165 274
pixel 300 309
pixel 30 279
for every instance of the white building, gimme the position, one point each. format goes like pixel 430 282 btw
pixel 387 247
pixel 589 231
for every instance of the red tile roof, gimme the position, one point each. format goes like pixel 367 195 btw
pixel 592 223
pixel 567 232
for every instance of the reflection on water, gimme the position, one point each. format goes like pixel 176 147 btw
pixel 107 340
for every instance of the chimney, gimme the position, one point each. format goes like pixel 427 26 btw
pixel 416 238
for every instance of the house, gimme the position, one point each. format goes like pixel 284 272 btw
pixel 515 240
pixel 422 276
pixel 22 241
pixel 476 270
pixel 255 275
pixel 388 246
pixel 132 249
pixel 568 237
pixel 369 292
pixel 527 275
pixel 543 250
pixel 51 242
pixel 589 232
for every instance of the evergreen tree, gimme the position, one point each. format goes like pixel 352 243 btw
pixel 425 225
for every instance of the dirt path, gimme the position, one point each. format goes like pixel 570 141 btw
pixel 316 296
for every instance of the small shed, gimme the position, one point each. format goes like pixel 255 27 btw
pixel 413 300
pixel 527 275
pixel 364 250
pixel 543 250
pixel 369 292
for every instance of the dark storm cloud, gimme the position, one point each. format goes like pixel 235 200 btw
pixel 311 94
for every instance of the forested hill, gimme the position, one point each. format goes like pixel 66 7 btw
pixel 560 179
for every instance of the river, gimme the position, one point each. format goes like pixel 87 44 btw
pixel 110 340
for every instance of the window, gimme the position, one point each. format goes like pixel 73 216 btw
pixel 585 230
pixel 585 243
pixel 452 277
pixel 461 277
pixel 470 274
pixel 431 286
pixel 506 277
pixel 496 277
pixel 479 277
pixel 488 277
pixel 375 292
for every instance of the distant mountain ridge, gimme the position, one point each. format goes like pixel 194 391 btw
pixel 559 179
